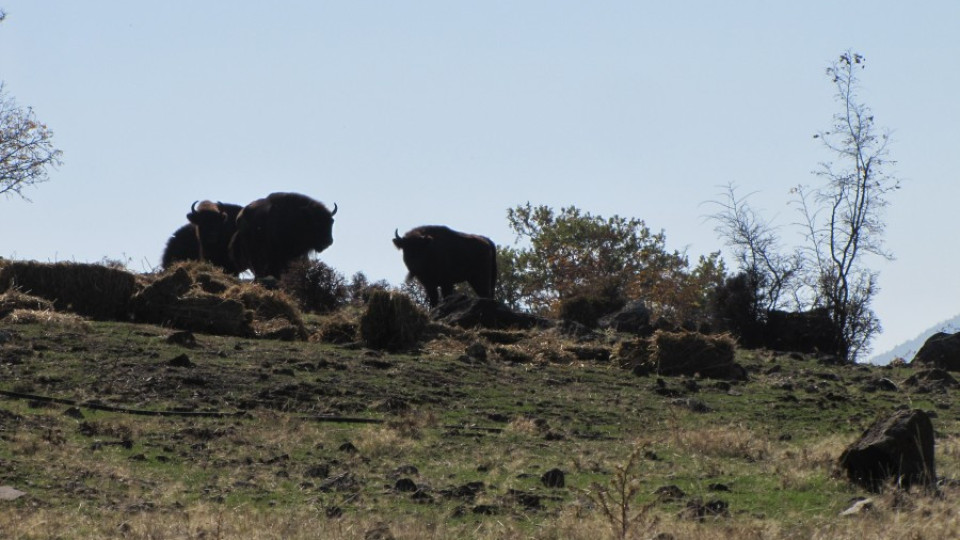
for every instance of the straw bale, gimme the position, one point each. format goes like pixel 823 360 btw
pixel 691 353
pixel 91 290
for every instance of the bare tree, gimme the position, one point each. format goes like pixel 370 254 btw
pixel 756 247
pixel 26 147
pixel 843 215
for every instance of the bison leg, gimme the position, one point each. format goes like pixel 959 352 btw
pixel 446 289
pixel 432 296
pixel 481 287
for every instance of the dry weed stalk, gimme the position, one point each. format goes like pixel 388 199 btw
pixel 617 503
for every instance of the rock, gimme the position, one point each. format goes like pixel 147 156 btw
pixel 554 478
pixel 669 493
pixel 405 485
pixel 634 318
pixel 699 510
pixel 181 361
pixel 8 493
pixel 470 312
pixel 859 508
pixel 898 448
pixel 184 339
pixel 74 412
pixel 941 350
pixel 931 379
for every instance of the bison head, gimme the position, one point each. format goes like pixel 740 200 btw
pixel 209 219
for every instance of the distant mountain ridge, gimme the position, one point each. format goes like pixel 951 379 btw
pixel 908 349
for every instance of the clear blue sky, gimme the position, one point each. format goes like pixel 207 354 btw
pixel 409 113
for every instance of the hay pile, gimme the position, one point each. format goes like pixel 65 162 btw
pixel 201 298
pixel 91 290
pixel 13 300
pixel 690 353
pixel 275 314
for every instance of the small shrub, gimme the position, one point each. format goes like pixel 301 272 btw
pixel 391 322
pixel 317 287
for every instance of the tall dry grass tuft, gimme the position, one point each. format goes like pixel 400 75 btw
pixel 731 441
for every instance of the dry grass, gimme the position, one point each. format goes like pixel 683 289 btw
pixel 52 319
pixel 729 441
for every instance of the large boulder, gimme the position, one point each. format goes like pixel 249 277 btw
pixel 897 448
pixel 470 312
pixel 941 350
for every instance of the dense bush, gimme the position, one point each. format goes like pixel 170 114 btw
pixel 391 322
pixel 317 287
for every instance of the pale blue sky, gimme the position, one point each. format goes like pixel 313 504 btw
pixel 409 113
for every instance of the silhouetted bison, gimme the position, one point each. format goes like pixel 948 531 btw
pixel 438 256
pixel 206 237
pixel 274 231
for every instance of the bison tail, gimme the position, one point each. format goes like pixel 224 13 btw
pixel 493 270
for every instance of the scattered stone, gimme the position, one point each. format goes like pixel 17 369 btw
pixel 699 510
pixel 317 471
pixel 469 312
pixel 184 339
pixel 405 485
pixel 348 447
pixel 859 508
pixel 719 487
pixel 407 470
pixel 898 448
pixel 932 379
pixel 694 405
pixel 182 361
pixel 477 351
pixel 486 510
pixel 74 412
pixel 554 478
pixel 8 493
pixel 669 493
pixel 525 499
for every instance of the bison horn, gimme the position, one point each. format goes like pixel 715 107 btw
pixel 396 234
pixel 193 207
pixel 334 210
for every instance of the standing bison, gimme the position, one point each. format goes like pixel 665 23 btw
pixel 438 256
pixel 206 237
pixel 274 231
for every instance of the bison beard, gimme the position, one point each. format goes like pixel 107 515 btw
pixel 439 257
pixel 274 231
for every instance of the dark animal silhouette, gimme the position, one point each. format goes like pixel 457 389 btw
pixel 439 257
pixel 207 236
pixel 181 246
pixel 274 231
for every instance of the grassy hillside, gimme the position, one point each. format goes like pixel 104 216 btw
pixel 334 441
